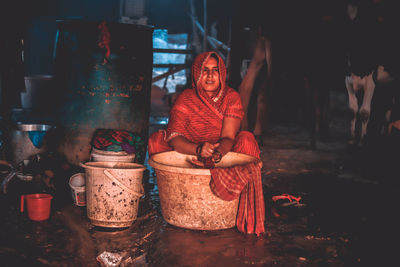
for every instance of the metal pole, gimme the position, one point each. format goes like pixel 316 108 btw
pixel 205 25
pixel 196 40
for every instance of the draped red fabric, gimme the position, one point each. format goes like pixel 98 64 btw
pixel 157 143
pixel 244 181
pixel 199 118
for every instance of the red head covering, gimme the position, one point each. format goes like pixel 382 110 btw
pixel 197 67
pixel 196 115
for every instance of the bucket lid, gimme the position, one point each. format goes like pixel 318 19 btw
pixel 77 180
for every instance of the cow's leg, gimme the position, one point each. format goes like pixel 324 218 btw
pixel 247 84
pixel 266 84
pixel 365 110
pixel 353 106
pixel 261 116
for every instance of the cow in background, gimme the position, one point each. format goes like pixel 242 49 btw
pixel 368 83
pixel 371 63
pixel 266 62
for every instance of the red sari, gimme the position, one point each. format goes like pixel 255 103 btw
pixel 199 118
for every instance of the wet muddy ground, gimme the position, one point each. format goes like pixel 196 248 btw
pixel 348 217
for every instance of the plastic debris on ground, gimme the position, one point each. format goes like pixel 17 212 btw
pixel 109 259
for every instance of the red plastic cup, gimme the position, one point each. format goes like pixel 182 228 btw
pixel 38 206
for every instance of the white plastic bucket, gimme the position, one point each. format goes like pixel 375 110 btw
pixel 78 189
pixel 111 156
pixel 113 190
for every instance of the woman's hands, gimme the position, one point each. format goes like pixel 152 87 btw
pixel 207 155
pixel 207 149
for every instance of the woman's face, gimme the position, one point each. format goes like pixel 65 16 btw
pixel 210 76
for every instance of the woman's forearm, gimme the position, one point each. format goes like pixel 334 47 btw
pixel 225 145
pixel 182 145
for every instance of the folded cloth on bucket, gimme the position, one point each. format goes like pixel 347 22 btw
pixel 244 181
pixel 119 140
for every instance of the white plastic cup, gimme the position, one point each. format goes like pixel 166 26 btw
pixel 78 189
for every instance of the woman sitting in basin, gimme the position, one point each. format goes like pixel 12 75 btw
pixel 205 122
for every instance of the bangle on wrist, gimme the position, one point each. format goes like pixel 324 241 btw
pixel 217 156
pixel 198 151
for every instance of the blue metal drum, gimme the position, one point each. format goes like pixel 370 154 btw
pixel 103 73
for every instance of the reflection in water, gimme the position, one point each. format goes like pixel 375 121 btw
pixel 121 240
pixel 181 247
pixel 150 183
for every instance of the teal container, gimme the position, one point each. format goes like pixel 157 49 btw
pixel 103 73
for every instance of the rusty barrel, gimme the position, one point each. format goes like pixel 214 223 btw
pixel 103 73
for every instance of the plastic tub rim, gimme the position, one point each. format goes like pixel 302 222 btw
pixel 187 170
